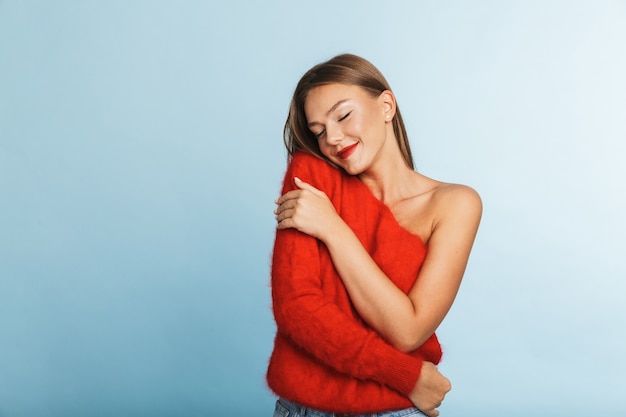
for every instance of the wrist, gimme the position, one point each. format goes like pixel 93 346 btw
pixel 339 235
pixel 334 230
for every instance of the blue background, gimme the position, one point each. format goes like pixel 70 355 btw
pixel 141 151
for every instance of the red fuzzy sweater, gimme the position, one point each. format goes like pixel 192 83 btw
pixel 324 355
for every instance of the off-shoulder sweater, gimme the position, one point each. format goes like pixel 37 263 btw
pixel 325 356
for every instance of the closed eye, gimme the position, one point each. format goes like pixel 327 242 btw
pixel 342 118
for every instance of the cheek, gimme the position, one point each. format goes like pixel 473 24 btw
pixel 355 125
pixel 366 124
pixel 324 148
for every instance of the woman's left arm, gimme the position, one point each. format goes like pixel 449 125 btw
pixel 405 320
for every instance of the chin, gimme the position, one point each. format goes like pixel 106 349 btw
pixel 352 170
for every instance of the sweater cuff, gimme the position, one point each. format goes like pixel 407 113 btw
pixel 403 372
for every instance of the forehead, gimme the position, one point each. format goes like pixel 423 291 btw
pixel 322 98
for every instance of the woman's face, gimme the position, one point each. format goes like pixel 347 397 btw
pixel 350 124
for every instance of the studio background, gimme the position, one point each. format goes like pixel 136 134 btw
pixel 141 151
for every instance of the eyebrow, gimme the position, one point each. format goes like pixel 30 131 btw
pixel 332 109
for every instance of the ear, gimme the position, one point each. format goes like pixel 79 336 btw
pixel 388 105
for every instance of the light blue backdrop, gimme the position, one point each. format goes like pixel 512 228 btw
pixel 141 151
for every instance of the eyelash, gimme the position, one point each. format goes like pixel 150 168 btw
pixel 342 118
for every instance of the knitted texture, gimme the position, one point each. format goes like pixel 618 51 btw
pixel 324 355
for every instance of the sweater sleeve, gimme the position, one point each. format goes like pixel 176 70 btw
pixel 311 319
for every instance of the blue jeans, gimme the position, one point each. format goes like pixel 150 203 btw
pixel 286 408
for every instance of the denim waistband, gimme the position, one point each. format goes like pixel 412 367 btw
pixel 286 408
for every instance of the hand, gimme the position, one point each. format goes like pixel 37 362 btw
pixel 306 209
pixel 430 390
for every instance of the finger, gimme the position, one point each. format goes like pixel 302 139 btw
pixel 431 413
pixel 286 223
pixel 306 186
pixel 281 223
pixel 284 214
pixel 286 205
pixel 290 195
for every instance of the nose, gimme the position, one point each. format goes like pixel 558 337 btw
pixel 333 134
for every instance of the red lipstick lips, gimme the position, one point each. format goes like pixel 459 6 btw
pixel 347 151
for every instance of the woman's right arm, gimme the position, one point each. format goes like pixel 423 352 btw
pixel 311 320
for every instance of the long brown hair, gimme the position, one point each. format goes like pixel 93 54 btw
pixel 343 69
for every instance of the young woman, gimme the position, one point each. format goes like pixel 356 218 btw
pixel 368 257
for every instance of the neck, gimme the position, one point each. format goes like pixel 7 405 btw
pixel 390 178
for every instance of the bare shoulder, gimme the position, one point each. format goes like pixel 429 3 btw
pixel 457 200
pixel 457 193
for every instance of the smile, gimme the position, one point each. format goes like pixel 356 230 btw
pixel 347 151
